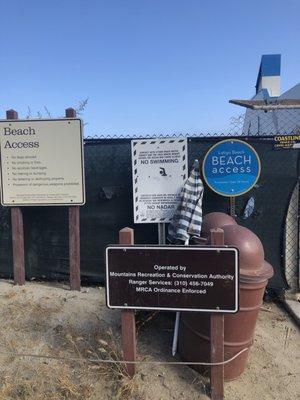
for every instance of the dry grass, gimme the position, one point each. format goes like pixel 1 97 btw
pixel 47 319
pixel 124 388
pixel 26 379
pixel 32 327
pixel 104 345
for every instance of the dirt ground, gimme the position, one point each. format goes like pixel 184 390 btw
pixel 48 319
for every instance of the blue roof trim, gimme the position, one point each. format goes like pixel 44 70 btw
pixel 269 66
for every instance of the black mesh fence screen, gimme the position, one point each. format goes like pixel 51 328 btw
pixel 274 217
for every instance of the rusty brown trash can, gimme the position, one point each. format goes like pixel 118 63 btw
pixel 194 334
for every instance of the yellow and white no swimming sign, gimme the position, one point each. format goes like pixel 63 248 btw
pixel 42 162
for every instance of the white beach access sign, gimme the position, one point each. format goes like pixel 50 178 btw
pixel 42 162
pixel 159 170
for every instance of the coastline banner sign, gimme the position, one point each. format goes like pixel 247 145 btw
pixel 172 278
pixel 286 142
pixel 231 167
pixel 42 162
pixel 159 170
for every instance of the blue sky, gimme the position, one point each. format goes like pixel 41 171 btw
pixel 147 67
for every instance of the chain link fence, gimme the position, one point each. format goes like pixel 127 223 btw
pixel 291 241
pixel 273 214
pixel 261 126
pixel 251 123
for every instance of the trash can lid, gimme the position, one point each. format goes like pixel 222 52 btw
pixel 215 220
pixel 257 275
pixel 251 251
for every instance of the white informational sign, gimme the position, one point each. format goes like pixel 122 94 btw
pixel 42 162
pixel 159 170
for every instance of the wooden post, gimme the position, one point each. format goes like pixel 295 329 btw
pixel 74 234
pixel 17 229
pixel 126 236
pixel 217 336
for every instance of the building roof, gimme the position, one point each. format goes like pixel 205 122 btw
pixel 293 93
pixel 274 121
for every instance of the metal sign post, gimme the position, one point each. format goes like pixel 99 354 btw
pixel 161 233
pixel 232 207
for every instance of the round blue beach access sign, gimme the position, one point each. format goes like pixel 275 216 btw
pixel 231 167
